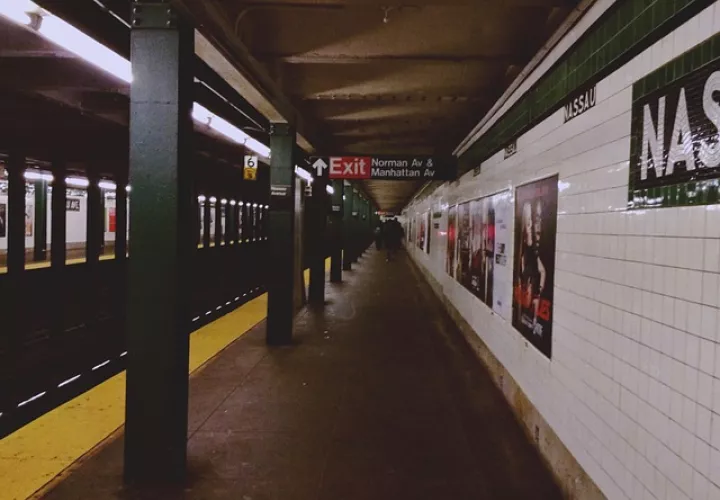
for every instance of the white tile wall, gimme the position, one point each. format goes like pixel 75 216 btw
pixel 633 388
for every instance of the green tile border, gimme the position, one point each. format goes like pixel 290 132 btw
pixel 622 32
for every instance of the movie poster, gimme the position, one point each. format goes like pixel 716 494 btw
pixel 534 267
pixel 28 220
pixel 421 233
pixel 502 275
pixel 462 267
pixel 451 241
pixel 428 232
pixel 482 249
pixel 3 220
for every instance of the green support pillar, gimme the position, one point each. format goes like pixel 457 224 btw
pixel 207 210
pixel 161 175
pixel 94 218
pixel 41 196
pixel 347 226
pixel 318 219
pixel 16 214
pixel 357 205
pixel 58 222
pixel 281 275
pixel 335 232
pixel 121 217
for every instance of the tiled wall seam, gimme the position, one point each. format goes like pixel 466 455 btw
pixel 633 388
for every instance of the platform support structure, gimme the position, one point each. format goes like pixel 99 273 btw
pixel 335 231
pixel 281 220
pixel 16 214
pixel 121 217
pixel 316 292
pixel 347 226
pixel 356 225
pixel 161 176
pixel 95 208
pixel 58 223
pixel 218 238
pixel 40 236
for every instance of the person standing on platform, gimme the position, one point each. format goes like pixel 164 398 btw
pixel 379 236
pixel 393 236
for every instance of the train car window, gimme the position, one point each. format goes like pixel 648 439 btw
pixel 76 220
pixel 3 219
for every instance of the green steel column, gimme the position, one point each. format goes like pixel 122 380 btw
pixel 281 222
pixel 318 219
pixel 121 217
pixel 40 246
pixel 16 214
pixel 206 222
pixel 161 175
pixel 94 218
pixel 218 223
pixel 335 232
pixel 347 226
pixel 357 206
pixel 58 222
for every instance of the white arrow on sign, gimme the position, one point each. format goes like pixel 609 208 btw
pixel 319 166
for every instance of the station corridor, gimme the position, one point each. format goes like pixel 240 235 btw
pixel 378 398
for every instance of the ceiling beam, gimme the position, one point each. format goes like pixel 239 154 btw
pixel 390 58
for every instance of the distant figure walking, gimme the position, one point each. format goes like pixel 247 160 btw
pixel 393 233
pixel 379 236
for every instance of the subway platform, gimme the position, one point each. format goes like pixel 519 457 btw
pixel 378 398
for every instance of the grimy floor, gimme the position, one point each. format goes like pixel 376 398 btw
pixel 379 399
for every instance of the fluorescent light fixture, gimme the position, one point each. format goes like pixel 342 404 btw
pixel 233 202
pixel 329 189
pixel 72 39
pixel 267 206
pixel 201 198
pixel 223 201
pixel 127 188
pixel 203 115
pixel 241 203
pixel 77 182
pixel 304 174
pixel 344 197
pixel 213 199
pixel 34 175
pixel 254 205
pixel 67 36
pixel 109 185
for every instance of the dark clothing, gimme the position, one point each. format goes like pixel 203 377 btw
pixel 393 234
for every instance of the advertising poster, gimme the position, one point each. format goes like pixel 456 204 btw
pixel 451 241
pixel 112 220
pixel 502 276
pixel 482 249
pixel 3 220
pixel 534 267
pixel 462 267
pixel 421 232
pixel 28 220
pixel 428 232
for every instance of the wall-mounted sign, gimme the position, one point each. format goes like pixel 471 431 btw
pixel 580 102
pixel 425 168
pixel 675 148
pixel 280 191
pixel 250 168
pixel 72 204
pixel 511 149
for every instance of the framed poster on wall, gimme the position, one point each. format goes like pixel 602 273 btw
pixel 534 267
pixel 451 241
pixel 502 273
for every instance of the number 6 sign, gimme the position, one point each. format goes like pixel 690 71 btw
pixel 250 168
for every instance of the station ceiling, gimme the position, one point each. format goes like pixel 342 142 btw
pixel 386 77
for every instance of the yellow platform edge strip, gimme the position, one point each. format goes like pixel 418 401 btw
pixel 37 453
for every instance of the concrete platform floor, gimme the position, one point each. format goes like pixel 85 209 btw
pixel 380 398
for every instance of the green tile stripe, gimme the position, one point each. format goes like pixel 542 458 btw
pixel 625 30
pixel 699 192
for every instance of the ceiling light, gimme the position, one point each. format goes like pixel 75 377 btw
pixel 203 115
pixel 77 182
pixel 223 201
pixel 329 189
pixel 201 198
pixel 213 199
pixel 304 174
pixel 233 202
pixel 34 175
pixel 109 185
